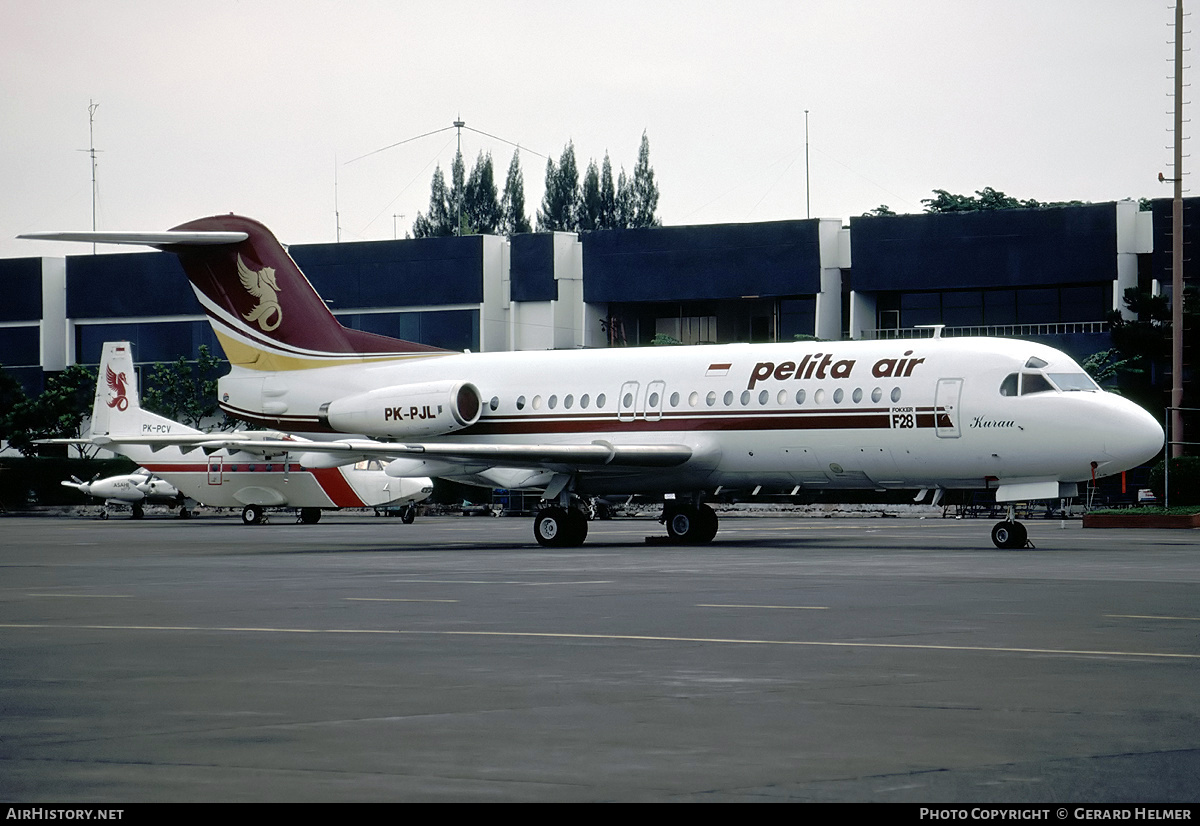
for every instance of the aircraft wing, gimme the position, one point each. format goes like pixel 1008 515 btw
pixel 498 455
pixel 594 454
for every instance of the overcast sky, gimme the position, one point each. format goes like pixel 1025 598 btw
pixel 252 106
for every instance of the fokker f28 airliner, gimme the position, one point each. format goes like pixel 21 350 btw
pixel 967 413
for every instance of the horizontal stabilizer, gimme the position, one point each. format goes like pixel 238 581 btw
pixel 146 239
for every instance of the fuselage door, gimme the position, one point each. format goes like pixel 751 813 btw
pixel 945 408
pixel 214 470
pixel 627 404
pixel 655 391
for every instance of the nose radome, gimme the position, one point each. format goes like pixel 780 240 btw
pixel 1138 439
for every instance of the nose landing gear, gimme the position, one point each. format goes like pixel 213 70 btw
pixel 1009 535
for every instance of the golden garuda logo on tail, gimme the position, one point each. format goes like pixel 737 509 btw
pixel 261 284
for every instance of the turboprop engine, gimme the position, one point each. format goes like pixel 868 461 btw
pixel 406 410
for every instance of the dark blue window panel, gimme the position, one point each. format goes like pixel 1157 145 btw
pixel 129 284
pixel 1037 306
pixel 20 346
pixel 716 261
pixel 797 317
pixel 152 341
pixel 531 267
pixel 1087 302
pixel 962 308
pixel 1161 258
pixel 920 308
pixel 395 273
pixel 449 329
pixel 999 248
pixel 21 286
pixel 999 307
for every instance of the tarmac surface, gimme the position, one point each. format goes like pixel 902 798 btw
pixel 361 659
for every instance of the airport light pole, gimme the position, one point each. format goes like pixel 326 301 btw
pixel 1175 437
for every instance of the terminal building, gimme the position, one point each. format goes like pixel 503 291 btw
pixel 1050 274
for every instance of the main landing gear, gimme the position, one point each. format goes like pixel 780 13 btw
pixel 566 525
pixel 254 515
pixel 690 524
pixel 560 527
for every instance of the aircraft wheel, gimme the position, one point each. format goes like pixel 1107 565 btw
pixel 577 528
pixel 409 515
pixel 549 526
pixel 692 525
pixel 184 513
pixel 708 524
pixel 682 524
pixel 310 516
pixel 252 515
pixel 138 512
pixel 104 514
pixel 1009 535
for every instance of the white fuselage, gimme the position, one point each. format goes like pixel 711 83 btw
pixel 883 414
pixel 223 480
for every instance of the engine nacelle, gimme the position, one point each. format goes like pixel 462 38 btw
pixel 406 410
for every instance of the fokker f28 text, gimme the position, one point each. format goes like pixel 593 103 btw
pixel 967 413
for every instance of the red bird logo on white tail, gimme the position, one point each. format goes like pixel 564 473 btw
pixel 116 383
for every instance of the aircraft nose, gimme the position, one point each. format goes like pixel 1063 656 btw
pixel 1137 439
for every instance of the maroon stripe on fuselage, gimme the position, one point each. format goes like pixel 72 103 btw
pixel 717 422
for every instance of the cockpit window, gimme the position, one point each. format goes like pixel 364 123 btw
pixel 1035 383
pixel 1023 384
pixel 1035 363
pixel 1073 381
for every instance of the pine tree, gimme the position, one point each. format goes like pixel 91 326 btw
pixel 481 209
pixel 512 204
pixel 560 201
pixel 457 195
pixel 438 221
pixel 590 203
pixel 608 196
pixel 623 212
pixel 645 191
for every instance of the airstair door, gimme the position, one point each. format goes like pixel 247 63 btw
pixel 945 408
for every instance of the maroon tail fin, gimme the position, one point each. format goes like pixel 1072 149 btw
pixel 265 312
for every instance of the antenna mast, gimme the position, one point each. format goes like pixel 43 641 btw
pixel 337 216
pixel 92 107
pixel 459 124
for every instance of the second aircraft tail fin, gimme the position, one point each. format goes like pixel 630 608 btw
pixel 117 409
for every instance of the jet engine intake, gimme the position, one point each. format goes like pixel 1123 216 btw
pixel 406 410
